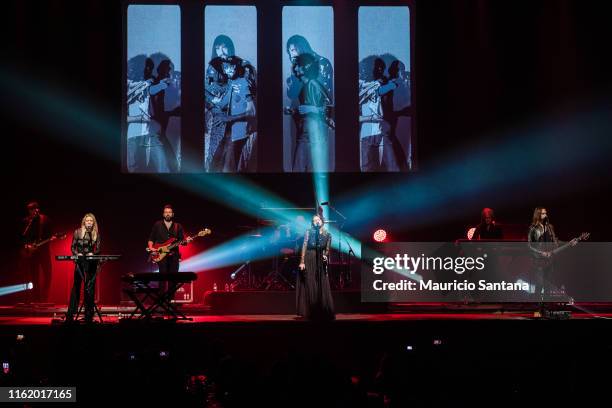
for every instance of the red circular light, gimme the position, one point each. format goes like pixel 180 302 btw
pixel 380 235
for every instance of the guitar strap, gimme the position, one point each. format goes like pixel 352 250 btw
pixel 177 250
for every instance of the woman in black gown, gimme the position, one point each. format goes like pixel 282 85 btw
pixel 313 294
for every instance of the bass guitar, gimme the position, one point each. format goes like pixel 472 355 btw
pixel 160 251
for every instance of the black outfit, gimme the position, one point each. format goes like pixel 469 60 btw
pixel 488 231
pixel 84 271
pixel 37 264
pixel 160 234
pixel 542 238
pixel 311 133
pixel 313 293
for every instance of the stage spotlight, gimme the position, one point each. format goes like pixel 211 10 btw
pixel 30 285
pixel 380 235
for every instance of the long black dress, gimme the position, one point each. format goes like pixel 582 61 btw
pixel 313 294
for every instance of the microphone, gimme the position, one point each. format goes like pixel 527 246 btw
pixel 325 203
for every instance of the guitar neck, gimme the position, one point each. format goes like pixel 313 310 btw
pixel 565 246
pixel 177 243
pixel 561 248
pixel 41 243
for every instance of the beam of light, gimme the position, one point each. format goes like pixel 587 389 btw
pixel 252 246
pixel 7 290
pixel 552 155
pixel 238 193
pixel 73 120
pixel 319 151
pixel 321 189
pixel 255 246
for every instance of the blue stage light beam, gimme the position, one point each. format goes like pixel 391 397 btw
pixel 253 246
pixel 236 192
pixel 7 290
pixel 319 150
pixel 557 150
pixel 72 119
pixel 321 189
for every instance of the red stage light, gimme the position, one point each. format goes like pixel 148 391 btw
pixel 380 235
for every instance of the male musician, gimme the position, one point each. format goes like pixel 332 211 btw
pixel 162 231
pixel 487 229
pixel 36 260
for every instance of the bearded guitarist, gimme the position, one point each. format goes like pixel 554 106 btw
pixel 36 259
pixel 163 231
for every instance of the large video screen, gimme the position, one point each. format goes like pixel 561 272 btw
pixel 267 100
pixel 385 108
pixel 153 89
pixel 230 89
pixel 308 78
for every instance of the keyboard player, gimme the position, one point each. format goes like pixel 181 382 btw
pixel 85 241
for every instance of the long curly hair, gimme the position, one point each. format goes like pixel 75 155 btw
pixel 94 230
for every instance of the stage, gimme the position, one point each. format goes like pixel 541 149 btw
pixel 194 175
pixel 476 353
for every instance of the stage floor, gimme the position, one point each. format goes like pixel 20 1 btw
pixel 223 319
pixel 475 352
pixel 199 314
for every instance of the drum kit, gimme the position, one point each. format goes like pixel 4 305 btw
pixel 273 257
pixel 275 272
pixel 280 245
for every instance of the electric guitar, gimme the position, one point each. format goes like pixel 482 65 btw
pixel 543 261
pixel 160 251
pixel 29 249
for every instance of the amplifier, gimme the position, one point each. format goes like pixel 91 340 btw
pixel 184 294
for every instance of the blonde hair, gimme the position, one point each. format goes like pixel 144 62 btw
pixel 94 230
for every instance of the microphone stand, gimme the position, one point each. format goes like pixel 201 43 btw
pixel 343 261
